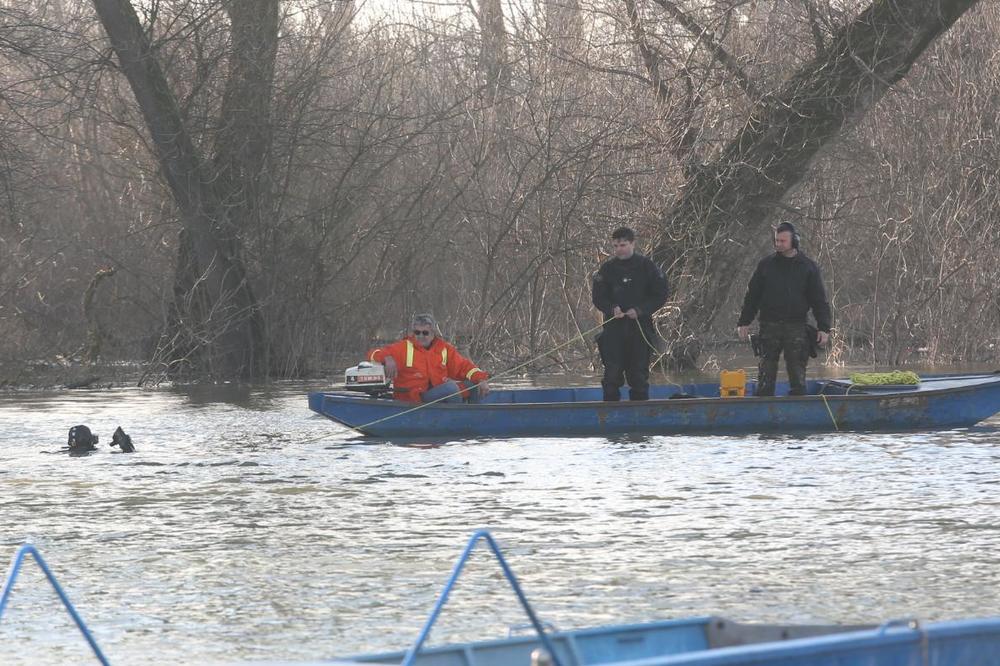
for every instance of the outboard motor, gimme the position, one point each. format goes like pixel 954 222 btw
pixel 368 377
pixel 81 439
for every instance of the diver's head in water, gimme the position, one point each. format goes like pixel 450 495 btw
pixel 81 440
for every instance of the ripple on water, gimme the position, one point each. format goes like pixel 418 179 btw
pixel 252 534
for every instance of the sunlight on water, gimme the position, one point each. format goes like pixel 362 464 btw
pixel 245 528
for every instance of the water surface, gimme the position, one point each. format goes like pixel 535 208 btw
pixel 245 528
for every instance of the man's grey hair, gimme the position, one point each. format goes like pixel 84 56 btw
pixel 425 320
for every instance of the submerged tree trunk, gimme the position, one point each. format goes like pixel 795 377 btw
pixel 737 194
pixel 227 338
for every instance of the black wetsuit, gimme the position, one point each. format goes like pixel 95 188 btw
pixel 783 290
pixel 625 348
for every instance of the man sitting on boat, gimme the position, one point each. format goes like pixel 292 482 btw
pixel 423 367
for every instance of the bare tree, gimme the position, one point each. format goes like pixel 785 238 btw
pixel 784 132
pixel 356 172
pixel 232 341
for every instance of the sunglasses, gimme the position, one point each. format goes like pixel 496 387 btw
pixel 416 332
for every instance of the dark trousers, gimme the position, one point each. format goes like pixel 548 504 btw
pixel 625 354
pixel 777 338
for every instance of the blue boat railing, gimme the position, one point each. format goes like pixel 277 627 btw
pixel 8 587
pixel 477 536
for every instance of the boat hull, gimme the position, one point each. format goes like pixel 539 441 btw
pixel 714 641
pixel 948 401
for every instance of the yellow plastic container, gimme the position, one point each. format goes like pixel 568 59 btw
pixel 733 383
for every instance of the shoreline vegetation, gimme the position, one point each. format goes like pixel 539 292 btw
pixel 241 191
pixel 63 374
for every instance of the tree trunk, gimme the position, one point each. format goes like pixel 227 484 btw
pixel 96 333
pixel 737 194
pixel 564 26
pixel 243 142
pixel 229 334
pixel 493 58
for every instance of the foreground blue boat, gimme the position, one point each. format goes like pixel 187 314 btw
pixel 937 402
pixel 705 641
pixel 715 641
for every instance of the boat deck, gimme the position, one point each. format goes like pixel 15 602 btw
pixel 814 387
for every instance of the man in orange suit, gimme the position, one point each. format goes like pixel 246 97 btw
pixel 424 367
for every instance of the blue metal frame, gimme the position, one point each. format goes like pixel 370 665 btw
pixel 478 535
pixel 8 587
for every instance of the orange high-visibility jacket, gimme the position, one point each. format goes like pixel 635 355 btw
pixel 419 369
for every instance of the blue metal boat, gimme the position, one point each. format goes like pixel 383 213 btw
pixel 715 641
pixel 937 402
pixel 704 641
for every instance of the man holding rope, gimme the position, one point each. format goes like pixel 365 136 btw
pixel 425 368
pixel 628 288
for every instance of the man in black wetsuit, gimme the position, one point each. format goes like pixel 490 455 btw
pixel 627 289
pixel 783 288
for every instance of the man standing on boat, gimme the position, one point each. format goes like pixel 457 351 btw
pixel 423 367
pixel 783 288
pixel 628 288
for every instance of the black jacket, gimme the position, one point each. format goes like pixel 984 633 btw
pixel 785 289
pixel 635 282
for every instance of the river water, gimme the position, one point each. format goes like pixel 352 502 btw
pixel 245 528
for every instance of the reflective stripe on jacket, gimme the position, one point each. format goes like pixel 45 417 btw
pixel 419 369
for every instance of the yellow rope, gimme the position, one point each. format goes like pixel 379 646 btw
pixel 649 344
pixel 830 412
pixel 659 356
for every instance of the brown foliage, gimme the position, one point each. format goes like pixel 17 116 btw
pixel 397 172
